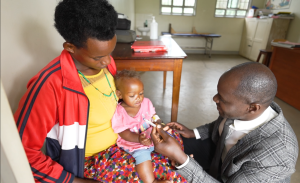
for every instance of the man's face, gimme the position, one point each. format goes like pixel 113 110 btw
pixel 228 105
pixel 95 56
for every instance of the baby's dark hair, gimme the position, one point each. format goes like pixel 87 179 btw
pixel 125 74
pixel 78 20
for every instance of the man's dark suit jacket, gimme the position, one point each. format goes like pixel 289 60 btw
pixel 267 154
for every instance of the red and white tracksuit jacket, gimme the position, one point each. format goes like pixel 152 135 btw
pixel 55 108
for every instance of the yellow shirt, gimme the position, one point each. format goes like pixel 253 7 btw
pixel 100 134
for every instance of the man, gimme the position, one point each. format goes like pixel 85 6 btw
pixel 251 141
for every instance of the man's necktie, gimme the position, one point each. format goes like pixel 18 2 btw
pixel 214 167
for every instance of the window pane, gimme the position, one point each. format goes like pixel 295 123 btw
pixel 188 10
pixel 243 4
pixel 177 2
pixel 220 12
pixel 241 13
pixel 229 3
pixel 166 9
pixel 189 2
pixel 221 4
pixel 232 8
pixel 166 2
pixel 233 4
pixel 177 10
pixel 230 12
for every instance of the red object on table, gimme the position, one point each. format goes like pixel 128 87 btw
pixel 148 46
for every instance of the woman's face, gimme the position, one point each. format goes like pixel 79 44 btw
pixel 132 92
pixel 94 57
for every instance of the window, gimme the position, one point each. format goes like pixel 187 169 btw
pixel 232 8
pixel 178 7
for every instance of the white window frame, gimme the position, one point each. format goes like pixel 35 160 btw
pixel 236 9
pixel 183 6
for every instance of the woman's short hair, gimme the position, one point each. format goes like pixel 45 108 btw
pixel 78 20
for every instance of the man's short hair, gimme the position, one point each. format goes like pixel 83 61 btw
pixel 78 20
pixel 257 83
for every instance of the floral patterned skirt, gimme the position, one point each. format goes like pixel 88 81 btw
pixel 115 165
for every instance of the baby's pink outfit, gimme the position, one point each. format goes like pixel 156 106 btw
pixel 121 121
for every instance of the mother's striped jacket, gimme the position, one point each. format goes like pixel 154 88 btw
pixel 55 108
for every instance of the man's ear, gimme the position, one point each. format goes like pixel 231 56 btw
pixel 119 94
pixel 69 47
pixel 253 108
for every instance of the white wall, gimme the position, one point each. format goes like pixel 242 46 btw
pixel 14 165
pixel 294 29
pixel 29 41
pixel 125 7
pixel 258 3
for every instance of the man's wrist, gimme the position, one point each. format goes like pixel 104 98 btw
pixel 196 133
pixel 185 163
pixel 181 158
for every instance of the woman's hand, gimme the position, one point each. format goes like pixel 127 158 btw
pixel 144 141
pixel 181 129
pixel 79 180
pixel 167 145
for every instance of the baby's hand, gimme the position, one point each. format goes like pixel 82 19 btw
pixel 144 141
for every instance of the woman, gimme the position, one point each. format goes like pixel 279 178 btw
pixel 71 101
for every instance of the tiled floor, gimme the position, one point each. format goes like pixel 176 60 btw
pixel 198 85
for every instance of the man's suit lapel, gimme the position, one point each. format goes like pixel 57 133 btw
pixel 215 133
pixel 242 146
pixel 232 163
pixel 239 154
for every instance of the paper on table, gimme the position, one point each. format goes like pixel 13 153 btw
pixel 287 42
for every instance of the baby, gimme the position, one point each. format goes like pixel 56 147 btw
pixel 130 121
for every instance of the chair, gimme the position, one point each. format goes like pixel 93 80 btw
pixel 267 53
pixel 267 56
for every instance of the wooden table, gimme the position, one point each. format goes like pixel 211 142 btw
pixel 171 60
pixel 285 64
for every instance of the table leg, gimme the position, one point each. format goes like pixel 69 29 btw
pixel 176 88
pixel 205 46
pixel 211 44
pixel 165 79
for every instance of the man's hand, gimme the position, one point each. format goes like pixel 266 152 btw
pixel 144 141
pixel 79 180
pixel 181 129
pixel 167 145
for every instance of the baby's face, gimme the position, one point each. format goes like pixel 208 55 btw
pixel 132 92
